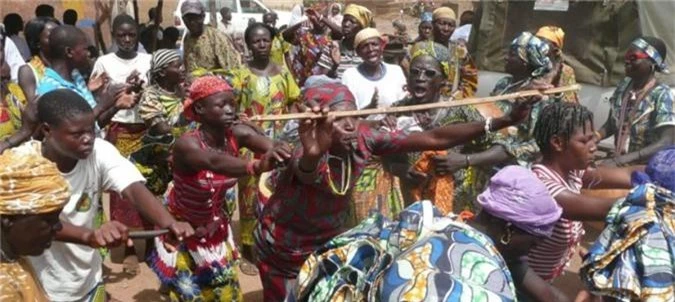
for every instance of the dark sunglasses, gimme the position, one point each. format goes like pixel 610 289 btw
pixel 429 73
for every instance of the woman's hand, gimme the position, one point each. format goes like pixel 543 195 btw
pixel 450 163
pixel 279 154
pixel 316 135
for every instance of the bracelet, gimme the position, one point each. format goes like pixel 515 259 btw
pixel 250 167
pixel 468 160
pixel 488 125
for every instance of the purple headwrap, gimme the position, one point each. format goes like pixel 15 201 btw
pixel 660 170
pixel 517 196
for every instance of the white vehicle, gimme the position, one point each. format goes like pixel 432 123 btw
pixel 242 11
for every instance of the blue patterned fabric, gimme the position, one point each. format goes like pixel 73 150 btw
pixel 52 81
pixel 653 54
pixel 634 257
pixel 534 51
pixel 660 170
pixel 423 256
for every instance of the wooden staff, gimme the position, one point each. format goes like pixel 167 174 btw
pixel 420 107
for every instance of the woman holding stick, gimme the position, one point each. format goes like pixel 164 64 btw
pixel 311 199
pixel 205 165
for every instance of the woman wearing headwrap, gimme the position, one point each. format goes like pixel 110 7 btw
pixel 32 194
pixel 12 103
pixel 355 19
pixel 527 62
pixel 375 84
pixel 561 74
pixel 633 258
pixel 429 176
pixel 205 165
pixel 642 115
pixel 310 204
pixel 260 88
pixel 425 28
pixel 463 72
pixel 335 13
pixel 161 109
pixel 428 256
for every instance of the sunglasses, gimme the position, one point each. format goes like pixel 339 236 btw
pixel 634 56
pixel 429 73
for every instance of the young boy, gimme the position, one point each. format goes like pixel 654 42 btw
pixel 71 269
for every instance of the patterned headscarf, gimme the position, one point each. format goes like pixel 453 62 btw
pixel 534 51
pixel 552 33
pixel 160 60
pixel 200 89
pixel 654 55
pixel 426 17
pixel 517 196
pixel 444 13
pixel 328 94
pixel 660 170
pixel 362 14
pixel 435 50
pixel 30 183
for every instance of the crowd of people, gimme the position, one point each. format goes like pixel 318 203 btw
pixel 482 200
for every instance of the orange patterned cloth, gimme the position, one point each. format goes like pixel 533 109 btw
pixel 439 189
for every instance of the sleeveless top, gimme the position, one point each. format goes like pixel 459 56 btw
pixel 198 198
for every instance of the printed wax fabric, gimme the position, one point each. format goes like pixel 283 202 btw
pixel 421 256
pixel 634 257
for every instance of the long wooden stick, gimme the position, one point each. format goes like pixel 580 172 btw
pixel 420 107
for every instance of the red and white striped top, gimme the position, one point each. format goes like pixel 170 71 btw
pixel 549 258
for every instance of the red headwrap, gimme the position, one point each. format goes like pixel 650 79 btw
pixel 329 94
pixel 202 88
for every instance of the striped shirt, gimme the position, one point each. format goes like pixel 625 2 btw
pixel 549 258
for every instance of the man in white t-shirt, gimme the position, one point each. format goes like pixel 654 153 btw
pixel 71 269
pixel 373 82
pixel 125 62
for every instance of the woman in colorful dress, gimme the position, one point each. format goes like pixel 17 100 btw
pixel 205 165
pixel 310 203
pixel 37 36
pixel 260 88
pixel 12 101
pixel 161 108
pixel 642 115
pixel 429 71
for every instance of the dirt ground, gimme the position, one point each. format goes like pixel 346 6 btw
pixel 145 285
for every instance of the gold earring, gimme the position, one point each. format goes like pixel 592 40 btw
pixel 506 237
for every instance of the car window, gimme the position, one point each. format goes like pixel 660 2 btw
pixel 251 7
pixel 222 3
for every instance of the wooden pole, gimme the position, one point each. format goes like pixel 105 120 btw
pixel 135 5
pixel 213 12
pixel 420 107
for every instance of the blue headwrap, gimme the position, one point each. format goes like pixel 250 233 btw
pixel 660 170
pixel 426 17
pixel 534 51
pixel 653 54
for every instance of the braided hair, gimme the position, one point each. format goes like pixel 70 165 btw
pixel 560 119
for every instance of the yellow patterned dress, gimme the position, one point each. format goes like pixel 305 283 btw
pixel 18 283
pixel 258 95
pixel 212 52
pixel 11 104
